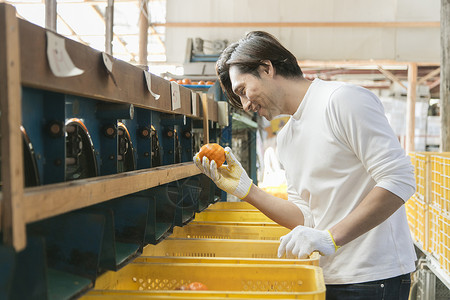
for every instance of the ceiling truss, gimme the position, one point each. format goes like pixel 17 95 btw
pixel 381 73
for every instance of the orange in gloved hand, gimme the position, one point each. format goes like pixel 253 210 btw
pixel 231 178
pixel 214 152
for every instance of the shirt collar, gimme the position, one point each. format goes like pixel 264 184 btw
pixel 297 115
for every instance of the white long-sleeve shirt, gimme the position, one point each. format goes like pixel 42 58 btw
pixel 335 149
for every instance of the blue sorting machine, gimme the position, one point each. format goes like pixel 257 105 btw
pixel 69 138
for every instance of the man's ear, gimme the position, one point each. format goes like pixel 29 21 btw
pixel 266 68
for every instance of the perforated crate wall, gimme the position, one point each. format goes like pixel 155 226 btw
pixel 445 179
pixel 444 243
pixel 437 164
pixel 420 167
pixel 420 229
pixel 434 213
pixel 411 213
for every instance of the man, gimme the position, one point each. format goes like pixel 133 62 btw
pixel 347 175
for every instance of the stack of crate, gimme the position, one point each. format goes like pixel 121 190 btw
pixel 231 248
pixel 440 209
pixel 428 210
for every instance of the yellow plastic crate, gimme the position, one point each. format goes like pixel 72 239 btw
pixel 411 214
pixel 313 261
pixel 236 231
pixel 440 181
pixel 235 223
pixel 181 295
pixel 420 229
pixel 214 248
pixel 424 162
pixel 434 213
pixel 412 156
pixel 436 181
pixel 444 242
pixel 305 282
pixel 445 184
pixel 421 164
pixel 416 211
pixel 232 216
pixel 241 205
pixel 428 209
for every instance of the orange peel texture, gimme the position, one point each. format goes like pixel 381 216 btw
pixel 214 152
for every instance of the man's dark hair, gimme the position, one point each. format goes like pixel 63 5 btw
pixel 248 54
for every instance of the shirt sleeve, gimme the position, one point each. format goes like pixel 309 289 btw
pixel 359 122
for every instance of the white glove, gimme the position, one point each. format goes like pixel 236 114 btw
pixel 231 178
pixel 302 241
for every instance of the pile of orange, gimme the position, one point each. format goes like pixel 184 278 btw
pixel 187 81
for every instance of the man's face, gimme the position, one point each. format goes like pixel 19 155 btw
pixel 256 94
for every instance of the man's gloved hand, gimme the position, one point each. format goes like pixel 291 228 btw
pixel 231 178
pixel 302 241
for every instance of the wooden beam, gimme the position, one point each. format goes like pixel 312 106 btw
pixel 302 24
pixel 94 83
pixel 213 114
pixel 55 199
pixel 13 225
pixel 445 75
pixel 109 26
pixel 434 84
pixel 50 14
pixel 95 2
pixel 204 100
pixel 143 32
pixel 101 34
pixel 411 107
pixel 391 76
pixel 359 63
pixel 430 75
pixel 153 30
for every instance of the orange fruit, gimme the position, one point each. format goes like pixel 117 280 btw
pixel 201 82
pixel 186 81
pixel 209 83
pixel 214 152
pixel 197 286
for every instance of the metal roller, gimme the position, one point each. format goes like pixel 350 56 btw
pixel 31 173
pixel 156 148
pixel 80 153
pixel 125 150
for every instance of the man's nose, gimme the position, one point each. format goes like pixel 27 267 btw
pixel 246 104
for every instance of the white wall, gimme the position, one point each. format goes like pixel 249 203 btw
pixel 315 43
